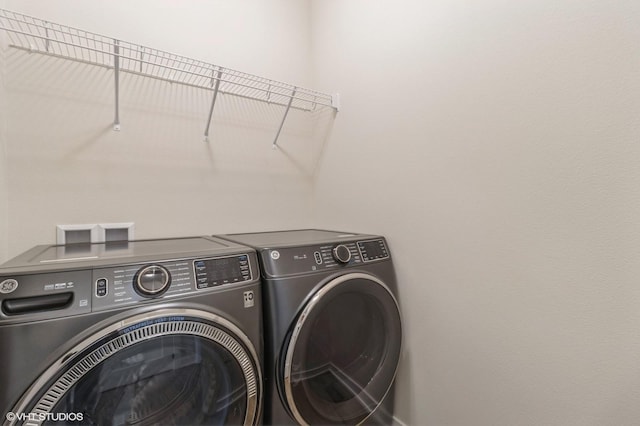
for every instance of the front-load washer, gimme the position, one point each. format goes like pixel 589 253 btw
pixel 137 333
pixel 333 329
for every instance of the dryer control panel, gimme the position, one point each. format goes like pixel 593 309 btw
pixel 304 259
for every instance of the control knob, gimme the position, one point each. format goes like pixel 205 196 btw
pixel 341 253
pixel 152 280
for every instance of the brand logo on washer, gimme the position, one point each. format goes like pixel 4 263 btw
pixel 275 254
pixel 8 286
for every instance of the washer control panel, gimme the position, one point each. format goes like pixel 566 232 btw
pixel 116 286
pixel 297 260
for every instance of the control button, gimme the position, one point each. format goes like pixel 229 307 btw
pixel 101 287
pixel 318 257
pixel 152 280
pixel 341 253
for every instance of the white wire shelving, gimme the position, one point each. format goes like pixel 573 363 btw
pixel 37 35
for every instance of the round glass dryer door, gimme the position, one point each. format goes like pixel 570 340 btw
pixel 172 367
pixel 343 351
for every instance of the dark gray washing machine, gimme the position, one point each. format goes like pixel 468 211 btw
pixel 333 330
pixel 142 332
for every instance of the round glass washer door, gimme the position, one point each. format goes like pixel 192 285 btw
pixel 169 367
pixel 342 353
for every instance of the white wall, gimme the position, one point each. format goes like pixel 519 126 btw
pixel 3 166
pixel 495 143
pixel 270 39
pixel 4 243
pixel 65 165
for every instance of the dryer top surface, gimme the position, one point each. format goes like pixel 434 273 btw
pixel 263 240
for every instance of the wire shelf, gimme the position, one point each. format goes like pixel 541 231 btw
pixel 37 35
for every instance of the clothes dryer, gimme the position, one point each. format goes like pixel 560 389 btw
pixel 142 332
pixel 333 330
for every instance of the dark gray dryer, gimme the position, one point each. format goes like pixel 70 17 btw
pixel 141 332
pixel 332 326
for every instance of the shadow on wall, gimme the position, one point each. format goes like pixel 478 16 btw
pixel 64 110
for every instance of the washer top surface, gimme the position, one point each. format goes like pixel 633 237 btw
pixel 52 257
pixel 273 239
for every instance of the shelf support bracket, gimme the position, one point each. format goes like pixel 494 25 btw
pixel 284 117
pixel 216 86
pixel 46 34
pixel 335 101
pixel 116 69
pixel 141 57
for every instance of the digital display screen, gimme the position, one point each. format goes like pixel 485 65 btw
pixel 372 250
pixel 222 270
